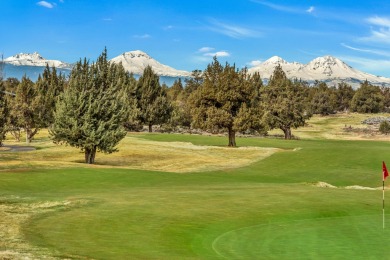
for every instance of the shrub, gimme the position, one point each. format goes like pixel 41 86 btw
pixel 384 127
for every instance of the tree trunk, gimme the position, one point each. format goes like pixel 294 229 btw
pixel 28 131
pixel 30 134
pixel 232 138
pixel 90 155
pixel 287 133
pixel 16 134
pixel 150 127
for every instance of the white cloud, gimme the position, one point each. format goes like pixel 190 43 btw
pixel 144 36
pixel 277 7
pixel 218 54
pixel 205 49
pixel 169 27
pixel 372 51
pixel 310 10
pixel 380 21
pixel 45 4
pixel 381 34
pixel 233 31
pixel 285 8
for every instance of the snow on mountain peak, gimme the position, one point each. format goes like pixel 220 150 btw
pixel 31 56
pixel 134 54
pixel 267 67
pixel 34 59
pixel 329 66
pixel 136 62
pixel 326 68
pixel 275 60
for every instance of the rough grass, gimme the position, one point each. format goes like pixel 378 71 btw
pixel 15 212
pixel 334 127
pixel 138 153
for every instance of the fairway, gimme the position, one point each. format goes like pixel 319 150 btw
pixel 170 196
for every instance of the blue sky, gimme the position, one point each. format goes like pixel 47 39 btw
pixel 186 34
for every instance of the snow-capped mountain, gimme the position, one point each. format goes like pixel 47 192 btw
pixel 267 67
pixel 34 59
pixel 326 68
pixel 136 61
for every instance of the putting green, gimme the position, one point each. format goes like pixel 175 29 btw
pixel 349 237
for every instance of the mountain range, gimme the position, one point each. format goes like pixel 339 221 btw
pixel 326 68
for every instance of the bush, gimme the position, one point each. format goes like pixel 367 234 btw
pixel 384 127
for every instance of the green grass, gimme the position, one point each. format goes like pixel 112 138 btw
pixel 267 210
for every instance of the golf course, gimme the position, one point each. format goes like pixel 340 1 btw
pixel 183 196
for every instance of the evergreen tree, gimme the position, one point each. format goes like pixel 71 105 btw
pixel 323 101
pixel 224 96
pixel 11 84
pixel 284 103
pixel 48 87
pixel 3 112
pixel 367 99
pixel 24 109
pixel 152 100
pixel 344 95
pixel 91 111
pixel 193 83
pixel 386 98
pixel 175 92
pixel 12 124
pixel 133 122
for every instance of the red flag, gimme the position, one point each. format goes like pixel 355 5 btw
pixel 385 172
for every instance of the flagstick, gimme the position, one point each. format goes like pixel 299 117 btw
pixel 383 204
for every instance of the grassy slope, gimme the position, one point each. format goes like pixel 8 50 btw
pixel 265 210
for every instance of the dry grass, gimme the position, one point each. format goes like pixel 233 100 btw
pixel 137 153
pixel 342 126
pixel 12 218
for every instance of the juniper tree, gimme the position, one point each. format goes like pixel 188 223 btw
pixel 284 103
pixel 24 109
pixel 3 112
pixel 193 83
pixel 221 101
pixel 323 101
pixel 367 99
pixel 153 104
pixel 344 95
pixel 176 90
pixel 12 125
pixel 91 111
pixel 48 86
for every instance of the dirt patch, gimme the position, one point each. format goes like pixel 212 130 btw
pixel 322 184
pixel 17 148
pixel 357 187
